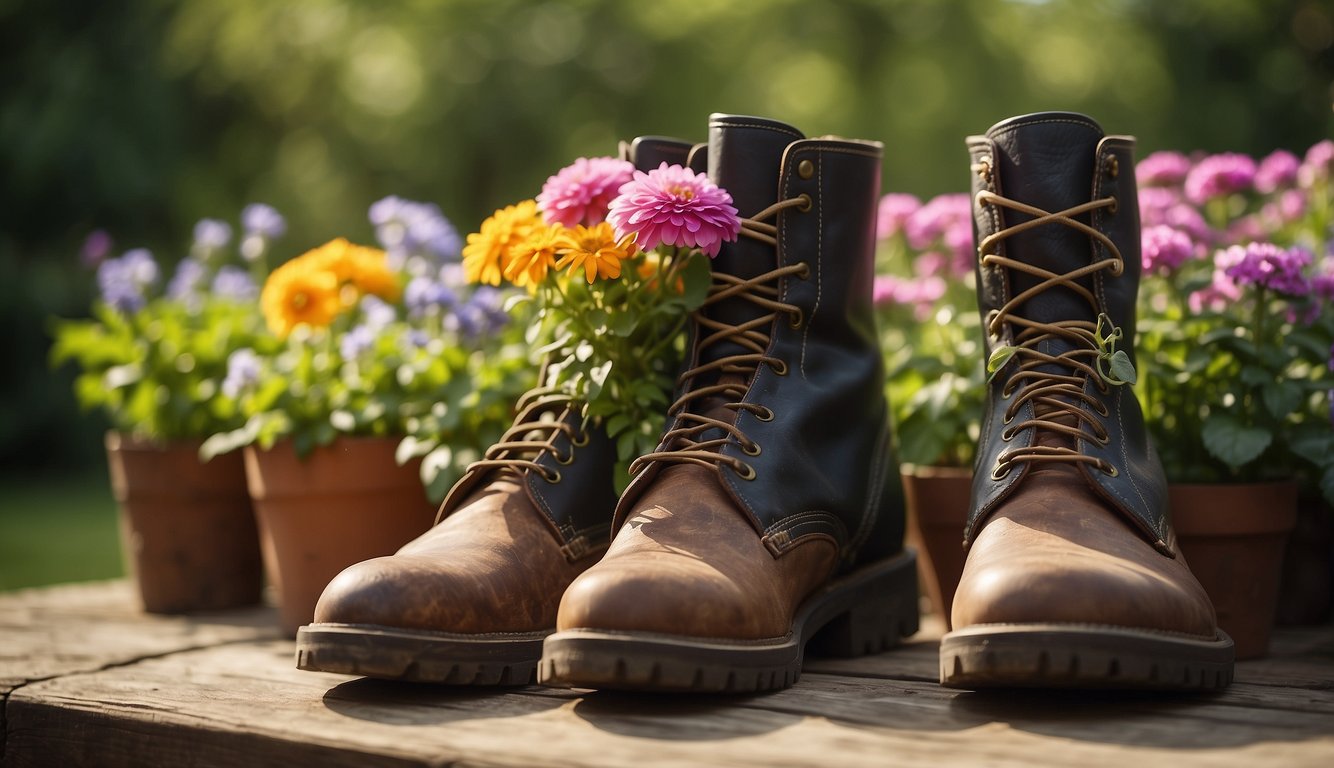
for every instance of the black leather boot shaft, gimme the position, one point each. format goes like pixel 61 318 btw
pixel 576 487
pixel 825 465
pixel 1055 161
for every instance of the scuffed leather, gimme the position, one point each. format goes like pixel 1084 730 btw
pixel 1054 161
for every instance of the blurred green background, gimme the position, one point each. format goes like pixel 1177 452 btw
pixel 142 117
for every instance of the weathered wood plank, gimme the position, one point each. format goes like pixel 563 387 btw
pixel 245 704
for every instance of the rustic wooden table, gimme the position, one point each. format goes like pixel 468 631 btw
pixel 86 679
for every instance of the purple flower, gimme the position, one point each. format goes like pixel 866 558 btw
pixel 1164 249
pixel 1277 171
pixel 356 342
pixel 1318 165
pixel 211 234
pixel 938 216
pixel 893 213
pixel 262 220
pixel 1266 265
pixel 235 284
pixel 1246 229
pixel 188 280
pixel 581 193
pixel 1217 296
pixel 418 338
pixel 377 314
pixel 96 247
pixel 243 369
pixel 124 282
pixel 1322 287
pixel 674 206
pixel 1162 169
pixel 483 313
pixel 424 295
pixel 1219 175
pixel 407 228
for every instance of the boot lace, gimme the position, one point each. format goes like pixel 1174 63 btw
pixel 733 371
pixel 1061 405
pixel 541 418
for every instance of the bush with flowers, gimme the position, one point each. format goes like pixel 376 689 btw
pixel 380 341
pixel 1236 323
pixel 611 261
pixel 154 357
pixel 930 333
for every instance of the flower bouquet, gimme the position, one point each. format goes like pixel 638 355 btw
pixel 155 362
pixel 610 261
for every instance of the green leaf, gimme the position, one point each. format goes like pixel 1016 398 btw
pixel 1282 398
pixel 1121 370
pixel 1256 377
pixel 696 276
pixel 1232 442
pixel 622 323
pixel 999 357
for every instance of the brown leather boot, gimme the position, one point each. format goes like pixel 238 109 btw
pixel 772 507
pixel 1073 576
pixel 470 600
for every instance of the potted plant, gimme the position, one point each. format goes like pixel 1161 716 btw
pixel 1235 362
pixel 386 375
pixel 931 337
pixel 155 361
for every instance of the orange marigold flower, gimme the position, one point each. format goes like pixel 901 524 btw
pixel 595 250
pixel 488 253
pixel 365 269
pixel 295 294
pixel 530 259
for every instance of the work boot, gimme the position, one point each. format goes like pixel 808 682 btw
pixel 1073 577
pixel 772 507
pixel 470 600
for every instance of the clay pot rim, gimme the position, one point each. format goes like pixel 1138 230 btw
pixel 934 471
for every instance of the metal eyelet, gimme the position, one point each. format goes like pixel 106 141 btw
pixel 1109 469
pixel 805 169
pixel 552 477
pixel 1111 209
pixel 1118 267
pixel 797 319
pixel 564 461
pixel 744 471
pixel 751 451
pixel 764 414
pixel 1104 440
pixel 1102 409
pixel 1007 435
pixel 999 472
pixel 805 272
pixel 806 202
pixel 779 366
pixel 579 440
pixel 1113 166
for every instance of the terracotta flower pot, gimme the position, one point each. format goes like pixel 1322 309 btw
pixel 938 500
pixel 1233 536
pixel 187 527
pixel 344 503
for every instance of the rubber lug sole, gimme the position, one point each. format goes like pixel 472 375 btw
pixel 867 611
pixel 1074 656
pixel 418 655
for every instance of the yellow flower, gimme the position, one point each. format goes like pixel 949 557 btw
pixel 295 293
pixel 595 250
pixel 365 269
pixel 530 259
pixel 488 253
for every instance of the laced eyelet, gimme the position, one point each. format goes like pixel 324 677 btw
pixel 1118 267
pixel 744 471
pixel 1109 469
pixel 1112 166
pixel 806 202
pixel 1000 471
pixel 1102 409
pixel 565 460
pixel 765 413
pixel 1009 417
pixel 579 440
pixel 751 450
pixel 1007 435
pixel 1007 391
pixel 552 477
pixel 805 272
pixel 1104 440
pixel 779 366
pixel 1112 208
pixel 798 318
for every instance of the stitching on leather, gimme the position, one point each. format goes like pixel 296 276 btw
pixel 757 126
pixel 819 257
pixel 796 518
pixel 1097 223
pixel 844 150
pixel 1052 121
pixel 1125 459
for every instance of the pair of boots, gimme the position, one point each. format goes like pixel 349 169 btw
pixel 771 514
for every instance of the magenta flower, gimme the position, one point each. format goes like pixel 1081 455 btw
pixel 885 290
pixel 934 219
pixel 1322 287
pixel 893 213
pixel 1217 296
pixel 1318 165
pixel 1164 249
pixel 1154 203
pixel 1277 171
pixel 1162 169
pixel 674 206
pixel 1219 175
pixel 1266 265
pixel 920 294
pixel 580 193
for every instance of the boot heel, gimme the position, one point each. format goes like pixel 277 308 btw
pixel 883 612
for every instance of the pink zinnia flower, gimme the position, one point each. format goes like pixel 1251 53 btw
pixel 1217 296
pixel 936 218
pixel 675 206
pixel 1319 163
pixel 893 212
pixel 1162 169
pixel 1163 249
pixel 1267 265
pixel 1277 171
pixel 1219 175
pixel 581 192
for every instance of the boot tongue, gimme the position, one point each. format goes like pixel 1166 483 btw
pixel 1047 161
